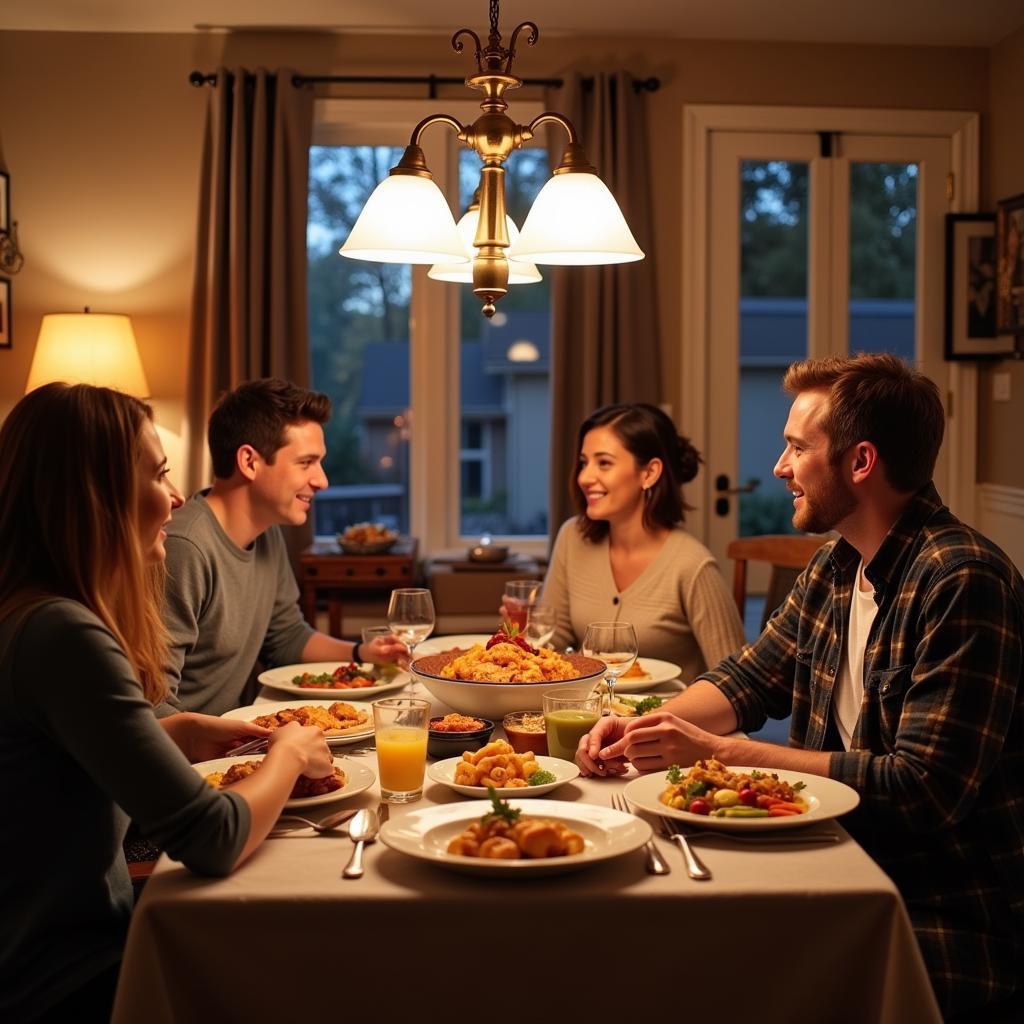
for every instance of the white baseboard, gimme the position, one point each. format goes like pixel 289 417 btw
pixel 1000 516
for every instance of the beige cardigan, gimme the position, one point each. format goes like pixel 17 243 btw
pixel 682 610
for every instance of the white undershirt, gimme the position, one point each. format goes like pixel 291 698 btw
pixel 849 690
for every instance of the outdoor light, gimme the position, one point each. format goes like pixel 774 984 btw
pixel 575 219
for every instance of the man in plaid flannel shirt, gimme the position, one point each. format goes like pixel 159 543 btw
pixel 899 655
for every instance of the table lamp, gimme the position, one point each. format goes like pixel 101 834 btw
pixel 88 348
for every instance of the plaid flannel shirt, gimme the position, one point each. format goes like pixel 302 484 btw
pixel 937 754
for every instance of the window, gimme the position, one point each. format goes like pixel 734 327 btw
pixel 393 349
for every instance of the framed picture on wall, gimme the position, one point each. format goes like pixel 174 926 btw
pixel 5 313
pixel 1010 266
pixel 971 288
pixel 5 201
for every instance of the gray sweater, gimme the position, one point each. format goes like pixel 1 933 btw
pixel 225 608
pixel 80 752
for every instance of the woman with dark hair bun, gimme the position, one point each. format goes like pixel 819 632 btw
pixel 627 557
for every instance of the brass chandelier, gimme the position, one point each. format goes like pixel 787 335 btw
pixel 574 220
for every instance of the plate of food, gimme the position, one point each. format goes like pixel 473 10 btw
pixel 645 673
pixel 329 678
pixel 349 778
pixel 710 795
pixel 367 539
pixel 510 839
pixel 498 766
pixel 636 707
pixel 341 721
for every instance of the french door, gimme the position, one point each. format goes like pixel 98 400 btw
pixel 815 245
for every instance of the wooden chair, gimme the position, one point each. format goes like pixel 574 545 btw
pixel 787 554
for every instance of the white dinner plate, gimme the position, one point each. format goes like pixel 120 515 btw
pixel 270 707
pixel 826 798
pixel 563 771
pixel 424 833
pixel 281 679
pixel 440 644
pixel 358 777
pixel 658 672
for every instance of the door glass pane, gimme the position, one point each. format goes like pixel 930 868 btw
pixel 773 328
pixel 359 346
pixel 505 416
pixel 883 250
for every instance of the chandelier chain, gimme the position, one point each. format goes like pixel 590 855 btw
pixel 494 18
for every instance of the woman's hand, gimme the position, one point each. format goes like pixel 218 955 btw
pixel 385 650
pixel 308 742
pixel 205 737
pixel 590 753
pixel 660 739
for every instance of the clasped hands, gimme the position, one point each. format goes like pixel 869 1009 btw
pixel 654 741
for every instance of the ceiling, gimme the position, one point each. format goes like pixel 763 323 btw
pixel 909 22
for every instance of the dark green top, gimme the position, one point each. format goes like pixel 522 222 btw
pixel 80 752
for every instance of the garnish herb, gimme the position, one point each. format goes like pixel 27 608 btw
pixel 675 774
pixel 500 808
pixel 540 777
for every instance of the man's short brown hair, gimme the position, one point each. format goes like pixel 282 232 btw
pixel 877 397
pixel 257 413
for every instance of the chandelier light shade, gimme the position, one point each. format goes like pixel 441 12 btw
pixel 406 220
pixel 462 273
pixel 575 219
pixel 88 348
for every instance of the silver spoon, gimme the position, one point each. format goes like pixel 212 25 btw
pixel 328 824
pixel 363 830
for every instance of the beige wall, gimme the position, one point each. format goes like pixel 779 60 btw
pixel 101 134
pixel 1001 424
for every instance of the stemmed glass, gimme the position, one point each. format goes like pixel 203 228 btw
pixel 540 624
pixel 616 645
pixel 411 616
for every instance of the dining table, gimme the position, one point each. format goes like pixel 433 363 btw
pixel 801 932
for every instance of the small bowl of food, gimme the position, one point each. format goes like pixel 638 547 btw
pixel 451 735
pixel 526 732
pixel 367 539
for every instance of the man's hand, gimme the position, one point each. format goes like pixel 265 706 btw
pixel 385 650
pixel 658 740
pixel 590 753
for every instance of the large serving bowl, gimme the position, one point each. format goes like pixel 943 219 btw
pixel 495 700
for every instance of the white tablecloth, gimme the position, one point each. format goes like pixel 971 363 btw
pixel 789 934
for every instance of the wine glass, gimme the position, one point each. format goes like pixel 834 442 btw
pixel 540 624
pixel 517 598
pixel 616 645
pixel 411 616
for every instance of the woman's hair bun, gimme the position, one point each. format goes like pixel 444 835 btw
pixel 688 459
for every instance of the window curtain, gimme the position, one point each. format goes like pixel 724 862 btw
pixel 605 343
pixel 249 290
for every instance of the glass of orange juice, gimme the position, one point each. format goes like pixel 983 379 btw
pixel 400 725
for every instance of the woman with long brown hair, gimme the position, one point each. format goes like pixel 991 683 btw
pixel 627 557
pixel 84 497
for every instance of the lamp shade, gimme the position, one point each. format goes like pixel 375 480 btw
pixel 88 348
pixel 575 221
pixel 462 273
pixel 405 220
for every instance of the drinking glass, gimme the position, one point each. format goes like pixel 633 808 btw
pixel 615 644
pixel 400 726
pixel 568 715
pixel 540 624
pixel 518 597
pixel 411 616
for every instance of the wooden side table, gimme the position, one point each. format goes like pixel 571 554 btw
pixel 326 571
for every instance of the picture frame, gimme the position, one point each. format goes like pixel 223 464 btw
pixel 5 201
pixel 6 317
pixel 1010 266
pixel 971 289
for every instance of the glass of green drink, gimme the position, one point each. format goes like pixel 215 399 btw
pixel 568 715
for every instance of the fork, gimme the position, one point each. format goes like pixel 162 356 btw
pixel 695 867
pixel 329 824
pixel 655 862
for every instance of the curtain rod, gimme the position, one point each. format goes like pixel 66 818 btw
pixel 198 79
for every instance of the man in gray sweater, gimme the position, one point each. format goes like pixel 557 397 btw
pixel 231 594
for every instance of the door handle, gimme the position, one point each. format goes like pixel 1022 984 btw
pixel 723 490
